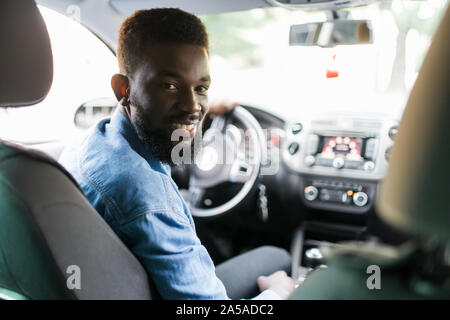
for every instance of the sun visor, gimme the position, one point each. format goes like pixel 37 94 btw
pixel 26 62
pixel 415 194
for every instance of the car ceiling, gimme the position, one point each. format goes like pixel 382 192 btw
pixel 104 17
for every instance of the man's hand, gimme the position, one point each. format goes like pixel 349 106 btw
pixel 220 108
pixel 279 282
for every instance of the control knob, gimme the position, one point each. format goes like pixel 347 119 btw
pixel 311 193
pixel 369 166
pixel 360 199
pixel 338 163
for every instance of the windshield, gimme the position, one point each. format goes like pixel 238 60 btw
pixel 253 63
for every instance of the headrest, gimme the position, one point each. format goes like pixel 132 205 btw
pixel 26 63
pixel 415 193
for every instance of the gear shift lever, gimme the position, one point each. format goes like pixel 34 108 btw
pixel 313 258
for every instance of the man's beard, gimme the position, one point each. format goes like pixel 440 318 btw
pixel 161 145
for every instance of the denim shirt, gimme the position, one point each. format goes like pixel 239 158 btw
pixel 137 197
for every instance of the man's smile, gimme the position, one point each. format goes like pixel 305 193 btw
pixel 189 126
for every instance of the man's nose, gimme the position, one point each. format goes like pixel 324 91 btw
pixel 189 102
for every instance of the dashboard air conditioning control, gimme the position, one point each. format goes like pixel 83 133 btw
pixel 369 166
pixel 338 163
pixel 310 160
pixel 311 193
pixel 360 199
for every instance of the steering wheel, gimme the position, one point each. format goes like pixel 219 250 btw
pixel 221 161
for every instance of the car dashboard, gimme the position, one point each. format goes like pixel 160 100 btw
pixel 341 160
pixel 330 169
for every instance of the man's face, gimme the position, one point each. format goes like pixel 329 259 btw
pixel 169 91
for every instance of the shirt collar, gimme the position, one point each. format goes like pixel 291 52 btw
pixel 121 124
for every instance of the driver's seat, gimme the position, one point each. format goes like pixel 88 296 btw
pixel 53 245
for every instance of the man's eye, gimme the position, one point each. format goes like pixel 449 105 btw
pixel 168 86
pixel 201 89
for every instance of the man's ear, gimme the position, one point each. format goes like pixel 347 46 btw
pixel 120 85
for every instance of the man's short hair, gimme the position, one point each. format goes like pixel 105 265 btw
pixel 157 26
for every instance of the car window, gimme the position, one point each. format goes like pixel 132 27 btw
pixel 83 66
pixel 253 63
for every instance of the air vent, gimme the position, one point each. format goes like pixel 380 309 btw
pixel 393 132
pixel 293 148
pixel 296 128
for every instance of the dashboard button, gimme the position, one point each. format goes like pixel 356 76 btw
pixel 313 143
pixel 351 164
pixel 310 160
pixel 345 198
pixel 371 148
pixel 325 195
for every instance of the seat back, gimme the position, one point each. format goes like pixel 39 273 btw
pixel 414 195
pixel 53 244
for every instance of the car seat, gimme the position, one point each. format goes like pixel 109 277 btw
pixel 53 244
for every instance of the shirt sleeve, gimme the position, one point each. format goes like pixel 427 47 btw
pixel 173 255
pixel 267 295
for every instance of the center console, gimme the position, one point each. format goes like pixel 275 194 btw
pixel 340 161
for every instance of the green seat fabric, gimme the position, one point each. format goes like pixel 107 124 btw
pixel 351 276
pixel 48 227
pixel 26 265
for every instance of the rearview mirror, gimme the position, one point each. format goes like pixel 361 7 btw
pixel 331 33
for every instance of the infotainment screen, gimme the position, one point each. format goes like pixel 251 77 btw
pixel 347 147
